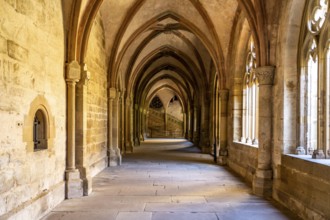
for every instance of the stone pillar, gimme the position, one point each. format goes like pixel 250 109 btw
pixel 244 117
pixel 122 122
pixel 136 123
pixel 73 184
pixel 128 135
pixel 196 128
pixel 81 130
pixel 143 124
pixel 262 180
pixel 212 121
pixel 217 123
pixel 204 127
pixel 190 124
pixel 223 154
pixel 113 148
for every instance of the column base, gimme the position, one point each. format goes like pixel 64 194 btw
pixel 223 157
pixel 318 154
pixel 87 180
pixel 248 140
pixel 136 142
pixel 263 183
pixel 300 150
pixel 73 184
pixel 128 147
pixel 222 160
pixel 114 157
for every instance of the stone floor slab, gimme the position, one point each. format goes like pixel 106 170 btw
pixel 134 216
pixel 98 215
pixel 171 180
pixel 183 216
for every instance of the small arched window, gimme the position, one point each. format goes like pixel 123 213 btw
pixel 39 131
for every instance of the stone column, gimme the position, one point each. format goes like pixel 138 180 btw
pixel 136 122
pixel 204 128
pixel 196 128
pixel 122 122
pixel 212 121
pixel 223 154
pixel 244 117
pixel 190 124
pixel 262 180
pixel 114 152
pixel 73 185
pixel 81 130
pixel 128 122
pixel 143 123
pixel 217 123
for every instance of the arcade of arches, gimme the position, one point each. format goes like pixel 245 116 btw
pixel 84 82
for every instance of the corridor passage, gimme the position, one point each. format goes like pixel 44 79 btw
pixel 168 180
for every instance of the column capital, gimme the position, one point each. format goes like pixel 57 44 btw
pixel 224 93
pixel 73 71
pixel 265 74
pixel 112 93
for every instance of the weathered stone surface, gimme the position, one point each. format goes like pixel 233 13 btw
pixel 25 73
pixel 16 51
pixel 7 181
pixel 3 45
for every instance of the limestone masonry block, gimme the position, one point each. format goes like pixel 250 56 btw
pixel 17 52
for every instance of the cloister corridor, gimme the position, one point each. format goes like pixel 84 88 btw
pixel 166 180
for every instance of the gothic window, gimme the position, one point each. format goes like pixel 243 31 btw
pixel 39 131
pixel 314 81
pixel 250 99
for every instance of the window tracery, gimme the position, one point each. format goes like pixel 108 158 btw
pixel 250 98
pixel 314 81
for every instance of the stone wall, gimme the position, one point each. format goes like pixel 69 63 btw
pixel 243 160
pixel 96 60
pixel 156 125
pixel 175 109
pixel 31 60
pixel 304 186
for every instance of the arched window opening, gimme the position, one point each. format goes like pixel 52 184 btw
pixel 315 82
pixel 250 99
pixel 312 99
pixel 39 131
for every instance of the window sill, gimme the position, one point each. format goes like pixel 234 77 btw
pixel 309 158
pixel 245 144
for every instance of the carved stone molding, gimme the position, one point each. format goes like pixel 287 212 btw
pixel 265 75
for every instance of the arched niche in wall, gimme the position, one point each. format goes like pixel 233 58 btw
pixel 39 126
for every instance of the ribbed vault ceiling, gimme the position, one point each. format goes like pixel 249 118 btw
pixel 172 46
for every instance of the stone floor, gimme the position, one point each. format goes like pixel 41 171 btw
pixel 167 181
